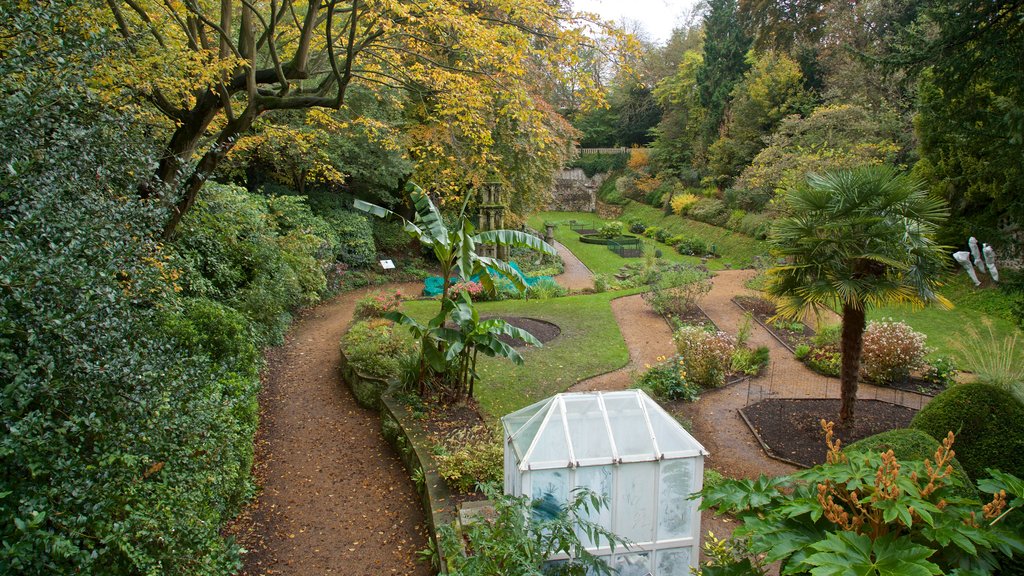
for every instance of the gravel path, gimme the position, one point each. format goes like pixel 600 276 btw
pixel 334 497
pixel 576 275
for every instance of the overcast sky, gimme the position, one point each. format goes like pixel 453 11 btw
pixel 658 17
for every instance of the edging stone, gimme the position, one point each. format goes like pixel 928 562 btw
pixel 409 440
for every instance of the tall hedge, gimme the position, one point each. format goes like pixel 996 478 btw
pixel 988 422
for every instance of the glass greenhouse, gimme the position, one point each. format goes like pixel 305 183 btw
pixel 624 446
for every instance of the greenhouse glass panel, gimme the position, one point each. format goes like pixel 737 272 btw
pixel 629 429
pixel 525 424
pixel 551 490
pixel 598 479
pixel 637 564
pixel 551 446
pixel 634 501
pixel 587 429
pixel 674 509
pixel 674 562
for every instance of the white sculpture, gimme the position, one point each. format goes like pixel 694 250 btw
pixel 990 259
pixel 979 263
pixel 964 258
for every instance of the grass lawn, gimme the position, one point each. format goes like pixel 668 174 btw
pixel 597 257
pixel 590 344
pixel 737 250
pixel 944 328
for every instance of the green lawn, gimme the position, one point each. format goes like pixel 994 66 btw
pixel 737 250
pixel 599 258
pixel 590 344
pixel 945 328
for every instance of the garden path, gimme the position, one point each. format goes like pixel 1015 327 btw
pixel 334 497
pixel 576 275
pixel 716 420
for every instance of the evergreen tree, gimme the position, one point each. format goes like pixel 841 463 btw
pixel 725 49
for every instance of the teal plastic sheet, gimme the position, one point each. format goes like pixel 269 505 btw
pixel 434 285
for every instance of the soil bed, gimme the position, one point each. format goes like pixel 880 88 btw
pixel 763 310
pixel 916 385
pixel 441 422
pixel 541 330
pixel 791 428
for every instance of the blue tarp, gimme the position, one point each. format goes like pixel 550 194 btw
pixel 434 285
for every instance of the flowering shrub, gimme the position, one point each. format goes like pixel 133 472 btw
pixel 474 289
pixel 377 304
pixel 667 380
pixel 706 355
pixel 681 204
pixel 891 351
pixel 825 360
pixel 374 348
pixel 470 456
pixel 611 230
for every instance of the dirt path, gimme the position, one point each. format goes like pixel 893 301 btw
pixel 334 497
pixel 576 275
pixel 716 420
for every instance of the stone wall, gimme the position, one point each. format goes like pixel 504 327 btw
pixel 573 191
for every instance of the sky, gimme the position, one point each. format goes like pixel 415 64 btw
pixel 658 17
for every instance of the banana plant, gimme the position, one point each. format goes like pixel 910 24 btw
pixel 452 348
pixel 455 249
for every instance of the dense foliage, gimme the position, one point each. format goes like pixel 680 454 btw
pixel 871 513
pixel 989 422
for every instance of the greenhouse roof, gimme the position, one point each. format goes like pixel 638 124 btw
pixel 596 428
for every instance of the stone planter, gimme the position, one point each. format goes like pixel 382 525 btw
pixel 366 389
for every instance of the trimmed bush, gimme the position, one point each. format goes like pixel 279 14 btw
pixel 988 422
pixel 375 348
pixel 912 444
pixel 709 211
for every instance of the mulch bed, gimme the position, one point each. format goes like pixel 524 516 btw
pixel 762 310
pixel 791 428
pixel 541 330
pixel 917 385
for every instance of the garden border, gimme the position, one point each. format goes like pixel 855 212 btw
pixel 762 325
pixel 409 441
pixel 367 390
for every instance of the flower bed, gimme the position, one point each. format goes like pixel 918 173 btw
pixel 789 334
pixel 605 240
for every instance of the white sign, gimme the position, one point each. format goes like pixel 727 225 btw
pixel 387 264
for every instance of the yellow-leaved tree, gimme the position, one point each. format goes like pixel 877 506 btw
pixel 208 69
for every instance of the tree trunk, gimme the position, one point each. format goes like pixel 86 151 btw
pixel 851 342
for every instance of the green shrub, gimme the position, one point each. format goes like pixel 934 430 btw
pixel 377 304
pixel 693 247
pixel 470 456
pixel 609 191
pixel 375 348
pixel 801 351
pixel 205 327
pixel 942 370
pixel 988 422
pixel 610 230
pixel 667 381
pixel 637 226
pixel 389 236
pixel 125 446
pixel 710 211
pixel 755 225
pixel 749 361
pixel 913 444
pixel 545 288
pixel 355 236
pixel 592 164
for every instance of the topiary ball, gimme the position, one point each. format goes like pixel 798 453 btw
pixel 909 444
pixel 988 422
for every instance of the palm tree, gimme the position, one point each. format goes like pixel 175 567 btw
pixel 856 239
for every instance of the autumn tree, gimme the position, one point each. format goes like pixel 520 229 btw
pixel 209 70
